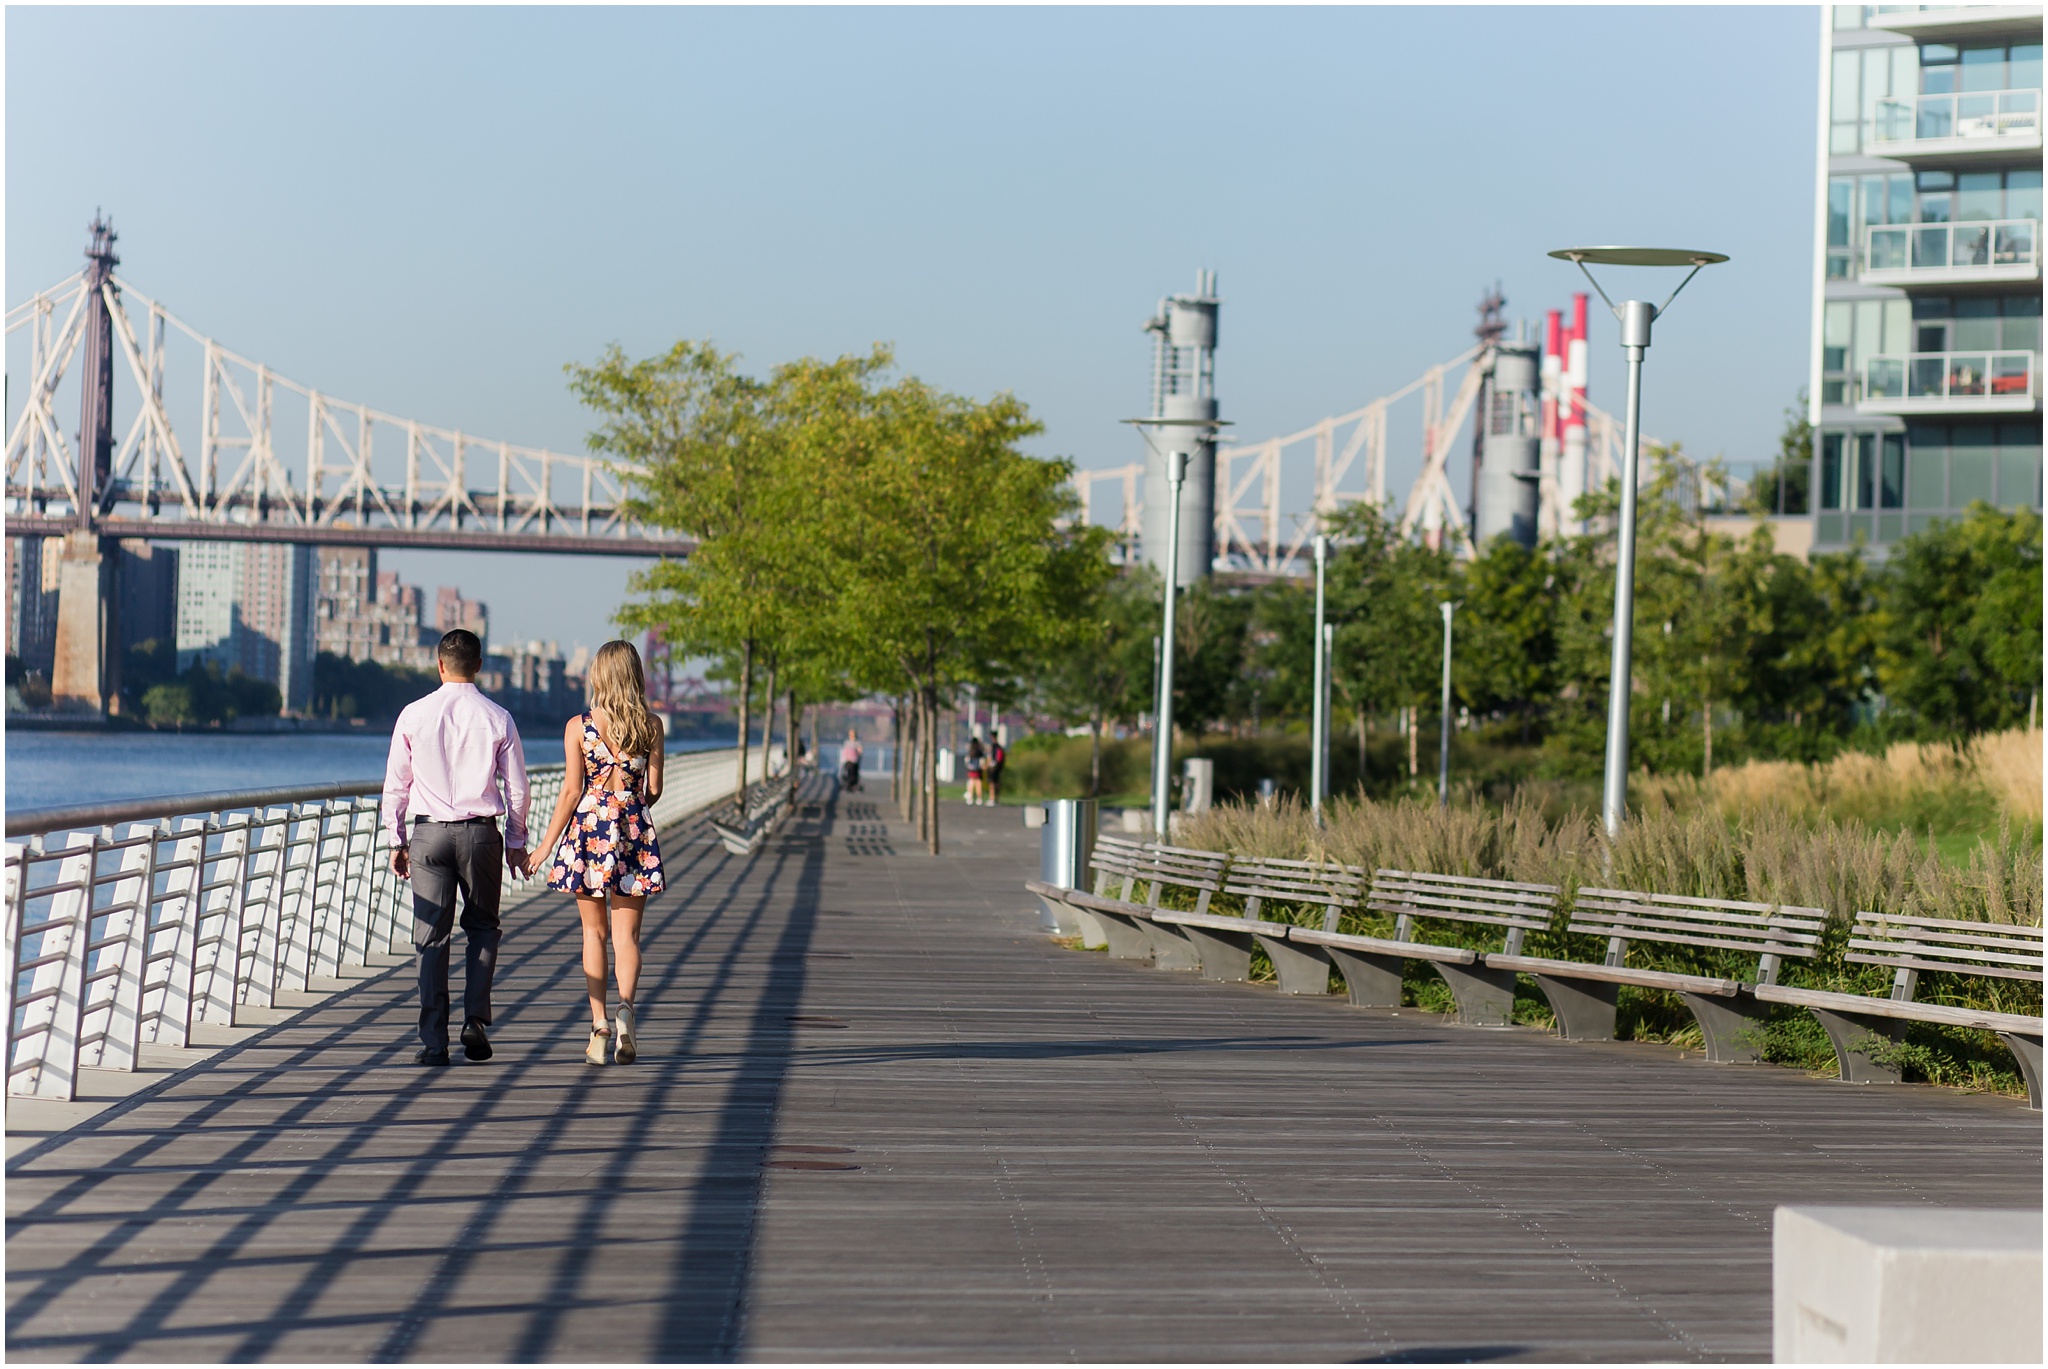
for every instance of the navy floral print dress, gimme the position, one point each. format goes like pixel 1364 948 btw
pixel 610 846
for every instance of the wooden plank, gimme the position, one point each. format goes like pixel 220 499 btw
pixel 1056 1158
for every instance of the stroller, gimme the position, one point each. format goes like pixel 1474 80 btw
pixel 849 776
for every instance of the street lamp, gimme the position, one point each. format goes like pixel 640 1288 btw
pixel 1162 726
pixel 1443 750
pixel 1319 706
pixel 1635 316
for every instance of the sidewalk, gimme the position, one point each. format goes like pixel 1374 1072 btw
pixel 879 1115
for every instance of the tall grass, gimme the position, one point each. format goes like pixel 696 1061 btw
pixel 1917 785
pixel 1768 854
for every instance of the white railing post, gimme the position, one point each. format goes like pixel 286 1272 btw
pixel 169 1023
pixel 43 1059
pixel 126 942
pixel 219 949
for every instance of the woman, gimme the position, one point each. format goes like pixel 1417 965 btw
pixel 602 834
pixel 975 757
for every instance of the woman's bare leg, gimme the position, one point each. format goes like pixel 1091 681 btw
pixel 626 913
pixel 595 932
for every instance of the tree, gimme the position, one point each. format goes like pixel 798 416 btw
pixel 1959 622
pixel 1383 592
pixel 1105 671
pixel 954 555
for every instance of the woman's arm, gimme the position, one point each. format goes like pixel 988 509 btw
pixel 571 795
pixel 655 757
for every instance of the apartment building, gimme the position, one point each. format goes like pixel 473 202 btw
pixel 1925 385
pixel 249 606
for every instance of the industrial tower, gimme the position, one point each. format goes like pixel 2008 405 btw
pixel 1183 419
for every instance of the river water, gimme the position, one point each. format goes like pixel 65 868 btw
pixel 55 769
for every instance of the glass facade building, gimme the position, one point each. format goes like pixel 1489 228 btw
pixel 1925 391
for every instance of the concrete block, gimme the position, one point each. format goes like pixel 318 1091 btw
pixel 1896 1285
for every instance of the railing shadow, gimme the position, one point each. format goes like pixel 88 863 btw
pixel 708 1278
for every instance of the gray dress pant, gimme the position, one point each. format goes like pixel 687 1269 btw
pixel 450 858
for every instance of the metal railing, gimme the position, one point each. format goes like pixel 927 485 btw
pixel 1949 377
pixel 1997 247
pixel 130 924
pixel 1972 116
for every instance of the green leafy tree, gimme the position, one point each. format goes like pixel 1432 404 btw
pixel 1104 674
pixel 1959 622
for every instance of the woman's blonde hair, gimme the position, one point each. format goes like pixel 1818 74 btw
pixel 619 687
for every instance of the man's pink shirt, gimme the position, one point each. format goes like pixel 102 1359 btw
pixel 456 755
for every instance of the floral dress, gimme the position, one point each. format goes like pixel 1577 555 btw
pixel 610 846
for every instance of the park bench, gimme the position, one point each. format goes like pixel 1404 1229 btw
pixel 766 807
pixel 1225 943
pixel 1584 996
pixel 1131 928
pixel 1372 965
pixel 1860 1027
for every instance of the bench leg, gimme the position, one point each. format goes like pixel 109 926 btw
pixel 1852 1035
pixel 1226 956
pixel 1302 969
pixel 1585 1008
pixel 1170 950
pixel 1092 938
pixel 1059 918
pixel 1370 981
pixel 1486 998
pixel 1733 1027
pixel 2027 1050
pixel 1126 936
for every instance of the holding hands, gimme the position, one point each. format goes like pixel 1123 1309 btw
pixel 520 863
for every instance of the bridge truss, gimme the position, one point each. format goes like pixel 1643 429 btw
pixel 1255 531
pixel 352 475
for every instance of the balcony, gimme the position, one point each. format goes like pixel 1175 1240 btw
pixel 1958 129
pixel 1951 253
pixel 1960 23
pixel 1949 383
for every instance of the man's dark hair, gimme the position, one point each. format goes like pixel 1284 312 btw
pixel 461 652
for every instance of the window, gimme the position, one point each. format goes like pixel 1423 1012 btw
pixel 1948 70
pixel 1891 475
pixel 1831 471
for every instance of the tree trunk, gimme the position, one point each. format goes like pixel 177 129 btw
pixel 1707 731
pixel 739 793
pixel 898 791
pixel 768 716
pixel 1095 757
pixel 1414 767
pixel 932 773
pixel 1361 746
pixel 790 726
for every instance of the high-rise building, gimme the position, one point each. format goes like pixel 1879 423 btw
pixel 452 611
pixel 32 565
pixel 248 606
pixel 367 615
pixel 1925 390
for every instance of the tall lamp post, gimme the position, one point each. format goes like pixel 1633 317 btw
pixel 1443 749
pixel 1635 316
pixel 1319 707
pixel 1162 726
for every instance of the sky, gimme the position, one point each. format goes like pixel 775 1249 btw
pixel 431 211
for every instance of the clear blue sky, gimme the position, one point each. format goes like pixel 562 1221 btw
pixel 431 210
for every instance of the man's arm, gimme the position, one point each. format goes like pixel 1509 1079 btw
pixel 397 792
pixel 518 792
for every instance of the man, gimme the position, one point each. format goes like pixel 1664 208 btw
pixel 456 767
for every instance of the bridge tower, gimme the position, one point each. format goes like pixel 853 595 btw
pixel 87 671
pixel 1183 419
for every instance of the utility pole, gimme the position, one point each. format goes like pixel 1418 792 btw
pixel 1443 754
pixel 1162 729
pixel 1319 719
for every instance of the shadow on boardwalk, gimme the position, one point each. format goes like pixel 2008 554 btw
pixel 290 1128
pixel 880 1116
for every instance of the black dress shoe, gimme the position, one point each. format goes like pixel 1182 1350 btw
pixel 475 1045
pixel 424 1056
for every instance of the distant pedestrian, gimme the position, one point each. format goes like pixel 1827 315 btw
pixel 456 767
pixel 849 763
pixel 997 754
pixel 977 760
pixel 601 842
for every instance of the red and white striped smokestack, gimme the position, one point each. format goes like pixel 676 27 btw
pixel 1575 365
pixel 1552 374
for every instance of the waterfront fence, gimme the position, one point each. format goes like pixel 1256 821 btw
pixel 135 923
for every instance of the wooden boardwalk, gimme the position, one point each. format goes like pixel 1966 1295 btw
pixel 880 1116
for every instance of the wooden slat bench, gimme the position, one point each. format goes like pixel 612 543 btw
pixel 1910 946
pixel 1109 860
pixel 1372 965
pixel 1131 928
pixel 1225 943
pixel 1584 996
